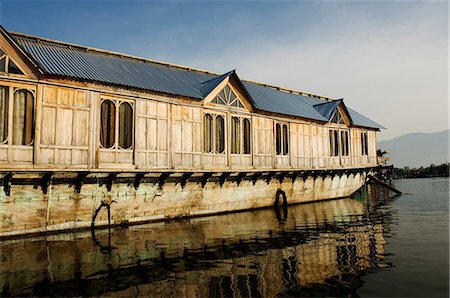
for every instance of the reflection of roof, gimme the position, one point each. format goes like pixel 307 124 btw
pixel 82 63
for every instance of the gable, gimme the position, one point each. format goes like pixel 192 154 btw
pixel 11 61
pixel 228 92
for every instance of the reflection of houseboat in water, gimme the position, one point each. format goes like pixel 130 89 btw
pixel 81 128
pixel 322 247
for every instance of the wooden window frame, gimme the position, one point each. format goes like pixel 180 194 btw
pixel 7 59
pixel 364 144
pixel 213 141
pixel 117 103
pixel 282 142
pixel 241 135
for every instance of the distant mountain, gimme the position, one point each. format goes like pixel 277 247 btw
pixel 417 149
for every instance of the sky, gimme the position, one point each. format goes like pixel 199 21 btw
pixel 388 60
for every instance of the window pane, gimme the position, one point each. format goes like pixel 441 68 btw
pixel 23 118
pixel 331 135
pixel 220 134
pixel 125 125
pixel 285 140
pixel 3 65
pixel 12 68
pixel 108 124
pixel 207 133
pixel 4 105
pixel 278 138
pixel 336 143
pixel 247 136
pixel 235 135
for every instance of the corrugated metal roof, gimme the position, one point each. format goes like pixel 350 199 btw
pixel 361 120
pixel 327 109
pixel 210 85
pixel 77 62
pixel 272 100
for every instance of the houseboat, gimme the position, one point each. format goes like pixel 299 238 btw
pixel 90 137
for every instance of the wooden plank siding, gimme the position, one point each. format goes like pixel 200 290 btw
pixel 165 136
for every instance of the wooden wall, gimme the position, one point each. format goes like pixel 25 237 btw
pixel 166 135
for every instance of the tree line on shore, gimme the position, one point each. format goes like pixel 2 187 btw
pixel 441 170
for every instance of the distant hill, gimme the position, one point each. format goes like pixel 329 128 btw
pixel 417 149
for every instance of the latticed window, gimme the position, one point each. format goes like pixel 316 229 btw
pixel 116 124
pixel 213 133
pixel 8 65
pixel 227 97
pixel 337 118
pixel 339 142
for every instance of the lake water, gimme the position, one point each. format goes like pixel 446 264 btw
pixel 371 245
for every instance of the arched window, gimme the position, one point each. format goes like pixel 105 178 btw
pixel 108 124
pixel 125 125
pixel 23 117
pixel 247 136
pixel 235 135
pixel 220 134
pixel 278 138
pixel 4 109
pixel 207 133
pixel 285 140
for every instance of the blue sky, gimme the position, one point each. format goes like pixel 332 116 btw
pixel 388 60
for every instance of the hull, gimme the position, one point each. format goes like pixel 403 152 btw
pixel 31 205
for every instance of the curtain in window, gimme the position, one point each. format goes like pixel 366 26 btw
pixel 247 136
pixel 125 125
pixel 23 118
pixel 235 135
pixel 207 133
pixel 107 124
pixel 4 105
pixel 220 134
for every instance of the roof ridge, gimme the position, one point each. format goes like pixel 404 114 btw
pixel 103 51
pixel 122 55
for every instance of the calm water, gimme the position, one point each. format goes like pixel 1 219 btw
pixel 371 245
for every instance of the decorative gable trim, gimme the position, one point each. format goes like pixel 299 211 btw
pixel 227 90
pixel 15 54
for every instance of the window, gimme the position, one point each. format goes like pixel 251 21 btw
pixel 125 125
pixel 8 65
pixel 213 134
pixel 240 135
pixel 337 118
pixel 23 117
pixel 339 141
pixel 282 139
pixel 116 121
pixel 207 133
pixel 227 97
pixel 364 144
pixel 220 134
pixel 344 143
pixel 4 107
pixel 247 135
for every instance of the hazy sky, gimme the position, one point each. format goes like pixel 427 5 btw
pixel 388 60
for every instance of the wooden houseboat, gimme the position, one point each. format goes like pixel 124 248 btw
pixel 82 128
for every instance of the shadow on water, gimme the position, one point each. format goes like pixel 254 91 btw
pixel 319 249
